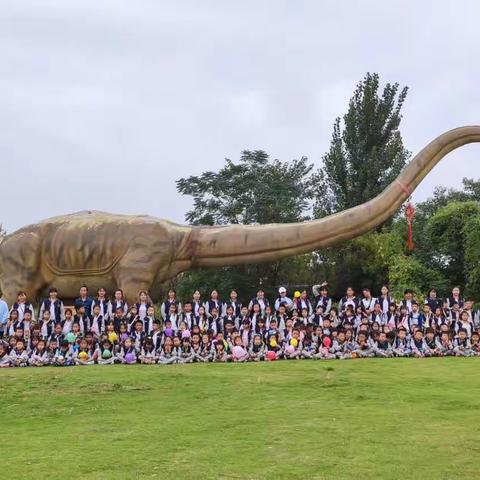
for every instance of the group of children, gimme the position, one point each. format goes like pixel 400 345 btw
pixel 104 331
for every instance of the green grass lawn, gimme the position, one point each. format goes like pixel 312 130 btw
pixel 393 418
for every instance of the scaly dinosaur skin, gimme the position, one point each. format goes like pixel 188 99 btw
pixel 134 252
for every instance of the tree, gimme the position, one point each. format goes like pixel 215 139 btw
pixel 256 190
pixel 366 151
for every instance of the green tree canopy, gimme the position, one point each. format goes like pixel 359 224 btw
pixel 366 151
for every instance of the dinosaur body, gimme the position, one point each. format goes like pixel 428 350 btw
pixel 134 252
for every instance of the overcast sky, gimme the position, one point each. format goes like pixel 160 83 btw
pixel 104 104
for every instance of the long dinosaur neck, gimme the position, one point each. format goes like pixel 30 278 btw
pixel 239 244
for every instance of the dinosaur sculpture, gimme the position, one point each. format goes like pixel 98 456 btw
pixel 134 252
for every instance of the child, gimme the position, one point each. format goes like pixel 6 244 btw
pixel 46 325
pixel 257 349
pixel 430 341
pixel 186 354
pixel 177 348
pixel 401 347
pixel 219 353
pixel 167 355
pixel 201 320
pixel 63 356
pixel 382 347
pixel 82 319
pixel 196 348
pixel 18 355
pixel 461 344
pixel 84 355
pixel 362 347
pixel 293 346
pixel 323 351
pixel 418 345
pixel 239 352
pixel 97 325
pixel 148 320
pixel 138 335
pixel 173 317
pixel 188 316
pixel 104 354
pixel 206 348
pixel 444 345
pixel 67 323
pixel 127 353
pixel 148 354
pixel 4 356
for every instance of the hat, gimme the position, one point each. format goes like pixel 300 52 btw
pixel 282 290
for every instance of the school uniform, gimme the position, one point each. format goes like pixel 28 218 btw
pixel 21 308
pixel 56 309
pixel 165 307
pixel 383 349
pixel 148 355
pixel 385 302
pixel 84 302
pixel 38 358
pixel 263 303
pixel 142 309
pixel 419 348
pixel 301 303
pixel 46 329
pixel 237 307
pixel 114 305
pixel 401 347
pixel 83 322
pixel 5 360
pixel 462 348
pixel 324 302
pixel 188 318
pixel 256 352
pixel 211 304
pixel 368 303
pixel 97 325
pixel 345 302
pixel 18 358
pixel 434 303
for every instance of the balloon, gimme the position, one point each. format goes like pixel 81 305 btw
pixel 106 353
pixel 186 334
pixel 83 356
pixel 294 342
pixel 238 352
pixel 168 332
pixel 273 342
pixel 70 337
pixel 290 349
pixel 60 358
pixel 123 336
pixel 113 337
pixel 297 294
pixel 327 342
pixel 271 355
pixel 130 358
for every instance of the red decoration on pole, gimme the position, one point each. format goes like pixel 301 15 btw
pixel 409 214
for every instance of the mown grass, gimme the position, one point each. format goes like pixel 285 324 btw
pixel 398 418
